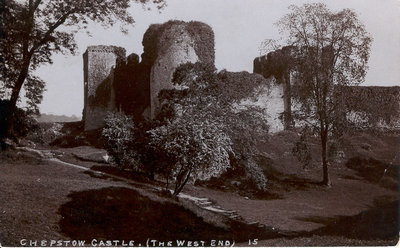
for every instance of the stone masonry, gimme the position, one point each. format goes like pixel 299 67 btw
pixel 366 107
pixel 177 50
pixel 98 64
pixel 114 83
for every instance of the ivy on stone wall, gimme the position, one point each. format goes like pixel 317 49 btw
pixel 201 33
pixel 276 63
pixel 203 37
pixel 131 90
pixel 376 103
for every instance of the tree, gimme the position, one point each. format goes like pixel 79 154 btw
pixel 199 150
pixel 331 49
pixel 33 30
pixel 202 126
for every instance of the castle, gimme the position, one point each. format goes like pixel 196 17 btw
pixel 116 82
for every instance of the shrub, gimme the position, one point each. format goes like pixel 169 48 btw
pixel 301 151
pixel 24 123
pixel 119 135
pixel 198 150
pixel 255 175
pixel 47 133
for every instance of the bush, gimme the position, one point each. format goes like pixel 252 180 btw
pixel 24 123
pixel 198 150
pixel 46 133
pixel 255 175
pixel 119 135
pixel 302 151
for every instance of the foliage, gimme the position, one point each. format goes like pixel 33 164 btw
pixel 34 88
pixel 331 48
pixel 203 37
pixel 128 144
pixel 206 104
pixel 301 151
pixel 24 122
pixel 255 175
pixel 33 30
pixel 119 134
pixel 374 104
pixel 47 133
pixel 200 150
pixel 201 33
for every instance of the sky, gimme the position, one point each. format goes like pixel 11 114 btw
pixel 239 27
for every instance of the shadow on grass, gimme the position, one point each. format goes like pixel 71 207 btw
pixel 293 182
pixel 373 224
pixel 123 214
pixel 375 171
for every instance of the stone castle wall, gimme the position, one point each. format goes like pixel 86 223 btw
pixel 99 62
pixel 372 107
pixel 276 68
pixel 169 45
pixel 131 86
pixel 270 98
pixel 366 107
pixel 175 50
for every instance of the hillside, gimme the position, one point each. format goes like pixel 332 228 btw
pixel 57 118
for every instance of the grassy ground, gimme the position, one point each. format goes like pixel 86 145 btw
pixel 46 200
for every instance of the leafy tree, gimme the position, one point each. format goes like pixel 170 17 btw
pixel 200 150
pixel 128 144
pixel 202 126
pixel 331 49
pixel 33 30
pixel 25 124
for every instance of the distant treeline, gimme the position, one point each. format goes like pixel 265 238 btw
pixel 57 118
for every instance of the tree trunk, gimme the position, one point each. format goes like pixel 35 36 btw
pixel 287 94
pixel 179 188
pixel 324 141
pixel 14 98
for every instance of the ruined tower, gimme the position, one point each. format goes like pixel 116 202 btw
pixel 276 66
pixel 114 83
pixel 98 64
pixel 168 45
